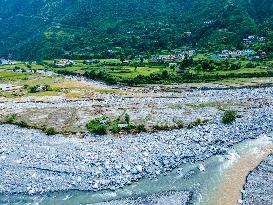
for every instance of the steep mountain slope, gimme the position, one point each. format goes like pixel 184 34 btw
pixel 31 29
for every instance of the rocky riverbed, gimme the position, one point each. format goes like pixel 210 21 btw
pixel 155 109
pixel 259 184
pixel 32 162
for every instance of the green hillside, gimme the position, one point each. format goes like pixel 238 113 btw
pixel 35 29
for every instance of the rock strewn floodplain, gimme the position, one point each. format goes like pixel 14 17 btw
pixel 259 184
pixel 148 106
pixel 34 162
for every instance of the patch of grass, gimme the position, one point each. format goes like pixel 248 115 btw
pixel 160 127
pixel 197 122
pixel 11 118
pixel 13 76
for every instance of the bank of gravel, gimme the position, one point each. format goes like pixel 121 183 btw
pixel 259 184
pixel 32 162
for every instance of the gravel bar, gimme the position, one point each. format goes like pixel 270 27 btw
pixel 259 184
pixel 32 162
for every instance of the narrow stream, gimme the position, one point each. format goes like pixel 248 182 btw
pixel 209 186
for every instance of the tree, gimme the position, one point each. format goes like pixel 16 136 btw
pixel 127 118
pixel 122 58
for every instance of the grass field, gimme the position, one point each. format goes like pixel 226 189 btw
pixel 122 72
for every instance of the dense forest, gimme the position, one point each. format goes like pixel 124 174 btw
pixel 46 29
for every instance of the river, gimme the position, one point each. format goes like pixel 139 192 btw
pixel 220 183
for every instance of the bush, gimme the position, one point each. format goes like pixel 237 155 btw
pixel 250 65
pixel 22 124
pixel 180 124
pixel 100 130
pixel 115 129
pixel 190 125
pixel 34 89
pixel 47 88
pixel 51 131
pixel 235 66
pixel 161 127
pixel 127 118
pixel 229 117
pixel 141 128
pixel 11 118
pixel 95 127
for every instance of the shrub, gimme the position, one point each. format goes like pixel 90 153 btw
pixel 250 65
pixel 190 125
pixel 22 124
pixel 127 118
pixel 198 122
pixel 141 128
pixel 51 131
pixel 115 129
pixel 95 127
pixel 235 66
pixel 229 117
pixel 180 124
pixel 100 130
pixel 34 89
pixel 11 118
pixel 47 88
pixel 161 127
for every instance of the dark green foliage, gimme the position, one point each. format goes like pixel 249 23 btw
pixel 229 117
pixel 39 88
pixel 116 129
pixel 250 65
pixel 96 127
pixel 141 128
pixel 207 66
pixel 50 131
pixel 235 66
pixel 127 118
pixel 34 29
pixel 180 124
pixel 11 118
pixel 22 124
pixel 34 89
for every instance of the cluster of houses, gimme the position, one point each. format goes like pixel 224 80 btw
pixel 9 87
pixel 253 38
pixel 231 54
pixel 6 62
pixel 172 57
pixel 63 63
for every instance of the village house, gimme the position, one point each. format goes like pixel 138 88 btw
pixel 238 53
pixel 220 56
pixel 253 38
pixel 180 55
pixel 63 63
pixel 91 62
pixel 6 62
pixel 9 87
